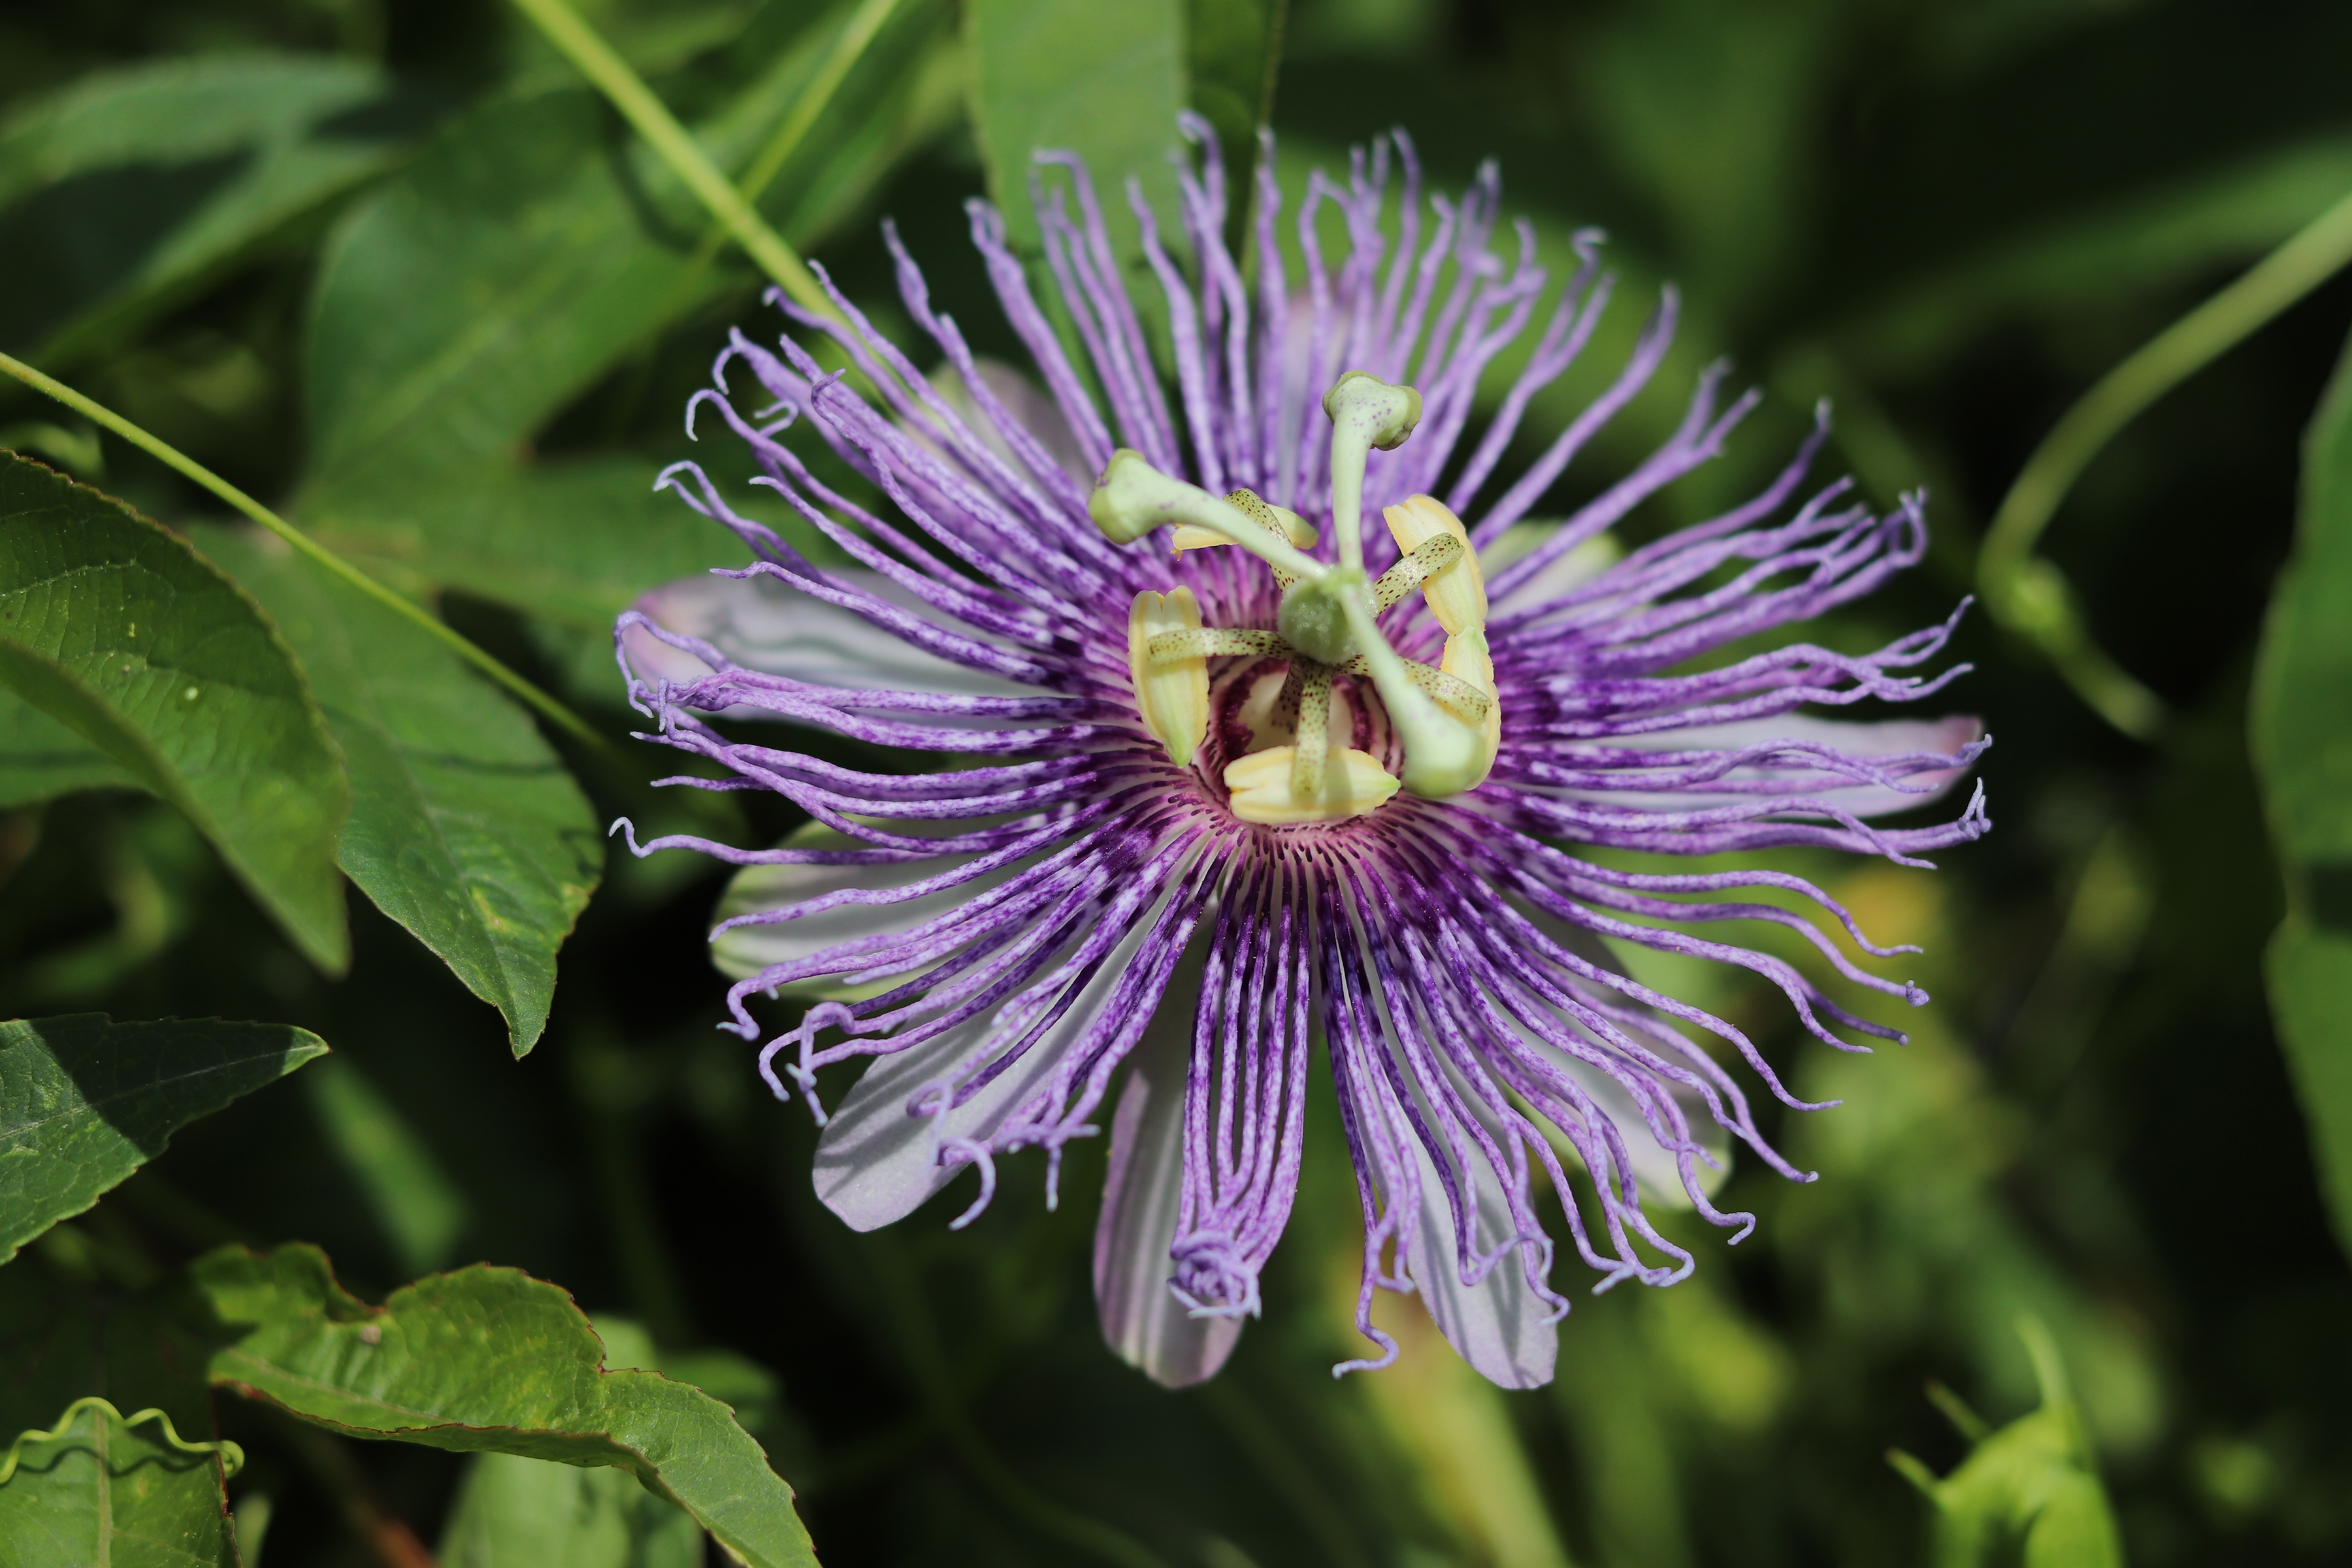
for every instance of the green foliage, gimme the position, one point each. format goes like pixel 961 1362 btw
pixel 112 626
pixel 465 827
pixel 1232 54
pixel 483 1360
pixel 1104 82
pixel 2028 1493
pixel 40 759
pixel 2302 734
pixel 252 141
pixel 494 337
pixel 84 1101
pixel 98 1487
pixel 520 258
pixel 513 1513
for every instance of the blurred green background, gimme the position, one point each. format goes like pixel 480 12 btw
pixel 1951 216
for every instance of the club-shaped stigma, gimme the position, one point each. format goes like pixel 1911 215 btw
pixel 1366 412
pixel 1132 497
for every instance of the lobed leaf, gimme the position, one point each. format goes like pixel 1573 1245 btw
pixel 2301 724
pixel 482 1360
pixel 98 1487
pixel 574 541
pixel 2028 1493
pixel 465 827
pixel 84 1101
pixel 117 628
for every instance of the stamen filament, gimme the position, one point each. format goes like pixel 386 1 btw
pixel 1449 690
pixel 1425 562
pixel 1313 743
pixel 1456 592
pixel 1209 641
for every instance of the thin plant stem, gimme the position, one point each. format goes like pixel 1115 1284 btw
pixel 856 36
pixel 2029 594
pixel 671 142
pixel 318 555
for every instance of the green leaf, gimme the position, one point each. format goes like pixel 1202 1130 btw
pixel 522 268
pixel 2028 1493
pixel 483 1360
pixel 465 825
pixel 96 1487
pixel 1233 50
pixel 575 542
pixel 513 1513
pixel 523 256
pixel 84 1101
pixel 2301 725
pixel 1103 81
pixel 113 626
pixel 135 187
pixel 40 759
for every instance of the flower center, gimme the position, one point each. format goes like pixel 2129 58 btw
pixel 1294 701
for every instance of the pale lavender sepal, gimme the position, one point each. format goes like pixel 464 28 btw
pixel 1142 1318
pixel 884 1150
pixel 1499 1325
pixel 765 625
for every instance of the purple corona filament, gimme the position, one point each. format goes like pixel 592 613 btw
pixel 1057 922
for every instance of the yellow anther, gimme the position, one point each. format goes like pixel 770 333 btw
pixel 1172 694
pixel 1457 594
pixel 1468 661
pixel 1353 783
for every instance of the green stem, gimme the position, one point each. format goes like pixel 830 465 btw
pixel 303 544
pixel 856 35
pixel 635 100
pixel 2028 595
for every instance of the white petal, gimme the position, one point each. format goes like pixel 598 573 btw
pixel 1500 1325
pixel 874 1163
pixel 1941 737
pixel 765 624
pixel 1142 1318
